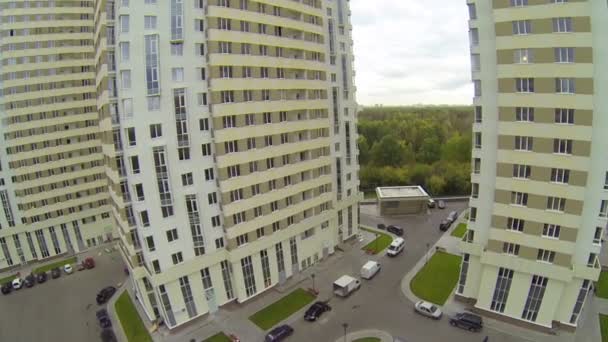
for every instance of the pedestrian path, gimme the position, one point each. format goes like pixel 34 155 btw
pixel 382 335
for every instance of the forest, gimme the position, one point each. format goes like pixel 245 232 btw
pixel 428 146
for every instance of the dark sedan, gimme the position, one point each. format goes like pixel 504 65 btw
pixel 41 277
pixel 395 230
pixel 103 318
pixel 55 273
pixel 6 288
pixel 315 311
pixel 29 280
pixel 105 294
pixel 279 333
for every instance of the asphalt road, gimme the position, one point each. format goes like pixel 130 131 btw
pixel 61 309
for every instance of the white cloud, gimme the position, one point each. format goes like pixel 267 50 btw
pixel 411 52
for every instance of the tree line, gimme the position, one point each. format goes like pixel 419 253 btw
pixel 428 146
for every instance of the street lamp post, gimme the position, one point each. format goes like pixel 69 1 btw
pixel 345 326
pixel 312 276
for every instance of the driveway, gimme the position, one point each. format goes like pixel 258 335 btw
pixel 61 309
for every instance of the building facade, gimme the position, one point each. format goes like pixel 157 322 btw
pixel 539 176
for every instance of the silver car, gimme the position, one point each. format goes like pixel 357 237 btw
pixel 428 309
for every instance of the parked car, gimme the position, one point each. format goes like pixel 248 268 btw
pixel 395 230
pixel 396 247
pixel 431 203
pixel 105 294
pixel 315 311
pixel 6 288
pixel 103 318
pixel 445 225
pixel 369 270
pixel 89 263
pixel 55 273
pixel 107 335
pixel 428 309
pixel 441 204
pixel 468 321
pixel 68 269
pixel 279 333
pixel 381 226
pixel 345 285
pixel 41 277
pixel 17 283
pixel 453 216
pixel 29 281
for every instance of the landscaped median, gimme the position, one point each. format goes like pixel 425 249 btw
pixel 8 279
pixel 435 281
pixel 602 285
pixel 219 337
pixel 131 323
pixel 460 230
pixel 379 244
pixel 281 309
pixel 367 339
pixel 604 327
pixel 59 264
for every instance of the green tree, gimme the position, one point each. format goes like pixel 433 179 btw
pixel 388 152
pixel 457 148
pixel 363 150
pixel 435 184
pixel 430 150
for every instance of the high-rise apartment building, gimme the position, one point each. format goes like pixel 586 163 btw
pixel 539 202
pixel 216 139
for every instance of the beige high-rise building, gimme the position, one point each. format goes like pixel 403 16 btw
pixel 215 138
pixel 539 202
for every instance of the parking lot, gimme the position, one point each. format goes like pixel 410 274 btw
pixel 61 309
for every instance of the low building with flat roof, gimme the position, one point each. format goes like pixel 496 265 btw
pixel 401 200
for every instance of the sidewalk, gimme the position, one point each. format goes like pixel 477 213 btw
pixel 383 336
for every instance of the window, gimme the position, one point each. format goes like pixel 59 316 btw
pixel 150 244
pixel 464 268
pixel 562 25
pixel 477 139
pixel 477 87
pixel 522 56
pixel 606 182
pixel 248 276
pixel 200 51
pixel 249 119
pixel 124 24
pixel 597 236
pixel 242 239
pixel 521 171
pixel 564 55
pixel 202 99
pixel 472 11
pixel 269 163
pixel 515 3
pixel 556 203
pixel 231 146
pixel 519 198
pixel 510 248
pixel 135 164
pixel 478 114
pixel 523 143
pixel 125 51
pixel 582 294
pixel 551 230
pixel 172 235
pixel 125 79
pixel 524 85
pixel 255 189
pixel 139 191
pixel 564 116
pixel 177 258
pixel 156 266
pixel 560 175
pixel 225 47
pixel 564 85
pixel 177 49
pixel 212 198
pixel 476 165
pixel 501 290
pixel 177 74
pixel 239 217
pixel 227 96
pixel 203 124
pixel 236 195
pixel 206 149
pixel 145 220
pixel 153 103
pixel 229 121
pixel 150 22
pixel 199 25
pixel 187 179
pixel 522 27
pixel 259 232
pixel 219 243
pixel 515 224
pixel 131 136
pixel 524 114
pixel 209 174
pixel 545 255
pixel 234 171
pixel 604 208
pixel 535 298
pixel 253 166
pixel 474 36
pixel 183 153
pixel 156 131
pixel 268 140
pixel 562 146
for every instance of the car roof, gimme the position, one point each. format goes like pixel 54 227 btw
pixel 397 241
pixel 470 316
pixel 426 305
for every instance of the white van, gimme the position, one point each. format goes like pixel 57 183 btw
pixel 369 270
pixel 396 247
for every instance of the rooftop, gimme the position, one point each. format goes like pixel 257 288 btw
pixel 401 192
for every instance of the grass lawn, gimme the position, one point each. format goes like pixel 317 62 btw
pixel 436 280
pixel 131 323
pixel 59 264
pixel 219 337
pixel 461 228
pixel 604 327
pixel 378 244
pixel 281 309
pixel 7 279
pixel 602 285
pixel 368 339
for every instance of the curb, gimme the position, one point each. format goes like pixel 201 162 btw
pixel 382 335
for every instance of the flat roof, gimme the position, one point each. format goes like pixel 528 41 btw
pixel 401 192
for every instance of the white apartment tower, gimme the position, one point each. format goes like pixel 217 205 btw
pixel 539 202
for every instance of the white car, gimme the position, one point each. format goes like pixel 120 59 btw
pixel 428 309
pixel 67 268
pixel 17 283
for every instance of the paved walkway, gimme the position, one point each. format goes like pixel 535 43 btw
pixel 383 336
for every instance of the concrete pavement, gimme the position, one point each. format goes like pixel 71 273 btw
pixel 382 335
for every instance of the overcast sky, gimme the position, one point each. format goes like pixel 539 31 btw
pixel 411 52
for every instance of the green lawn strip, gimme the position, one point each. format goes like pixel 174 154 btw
pixel 59 264
pixel 281 309
pixel 378 244
pixel 219 337
pixel 7 279
pixel 461 228
pixel 436 280
pixel 367 339
pixel 602 285
pixel 131 323
pixel 604 327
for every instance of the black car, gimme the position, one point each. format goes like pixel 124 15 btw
pixel 467 321
pixel 315 311
pixel 103 318
pixel 29 280
pixel 107 335
pixel 105 294
pixel 441 204
pixel 381 226
pixel 445 225
pixel 55 273
pixel 6 288
pixel 279 333
pixel 395 230
pixel 41 277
